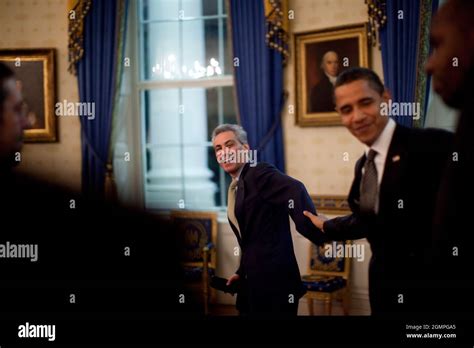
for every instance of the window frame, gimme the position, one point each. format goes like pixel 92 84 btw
pixel 142 85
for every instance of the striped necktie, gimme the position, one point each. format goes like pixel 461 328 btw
pixel 369 185
pixel 231 204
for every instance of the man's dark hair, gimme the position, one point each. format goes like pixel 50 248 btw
pixel 355 74
pixel 5 73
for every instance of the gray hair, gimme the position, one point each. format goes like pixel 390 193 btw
pixel 239 132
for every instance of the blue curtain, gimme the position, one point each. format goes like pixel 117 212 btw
pixel 434 8
pixel 399 40
pixel 259 81
pixel 97 84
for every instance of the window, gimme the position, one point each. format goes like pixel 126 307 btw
pixel 186 90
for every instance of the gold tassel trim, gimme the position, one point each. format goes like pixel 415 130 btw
pixel 77 11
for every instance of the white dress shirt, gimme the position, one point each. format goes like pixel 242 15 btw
pixel 237 177
pixel 331 78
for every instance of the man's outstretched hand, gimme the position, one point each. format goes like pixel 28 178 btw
pixel 232 279
pixel 317 221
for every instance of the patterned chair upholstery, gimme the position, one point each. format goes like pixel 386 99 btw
pixel 328 278
pixel 197 233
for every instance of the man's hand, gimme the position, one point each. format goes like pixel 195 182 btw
pixel 232 279
pixel 317 221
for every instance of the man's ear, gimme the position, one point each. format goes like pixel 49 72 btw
pixel 246 146
pixel 386 95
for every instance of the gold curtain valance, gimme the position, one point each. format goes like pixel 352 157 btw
pixel 76 12
pixel 276 15
pixel 377 19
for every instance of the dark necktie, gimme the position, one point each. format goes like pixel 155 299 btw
pixel 369 185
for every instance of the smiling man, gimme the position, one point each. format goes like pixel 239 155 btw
pixel 260 201
pixel 393 193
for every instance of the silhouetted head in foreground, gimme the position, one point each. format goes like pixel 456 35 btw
pixel 12 118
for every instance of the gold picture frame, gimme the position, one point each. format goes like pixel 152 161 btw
pixel 331 204
pixel 35 72
pixel 314 78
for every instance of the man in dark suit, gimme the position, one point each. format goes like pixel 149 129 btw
pixel 452 67
pixel 322 94
pixel 55 243
pixel 259 202
pixel 393 193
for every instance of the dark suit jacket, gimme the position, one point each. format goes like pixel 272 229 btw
pixel 322 96
pixel 81 251
pixel 400 233
pixel 265 197
pixel 453 266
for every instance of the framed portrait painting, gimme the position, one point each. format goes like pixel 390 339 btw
pixel 319 57
pixel 35 74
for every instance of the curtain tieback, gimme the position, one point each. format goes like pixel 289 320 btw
pixel 93 151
